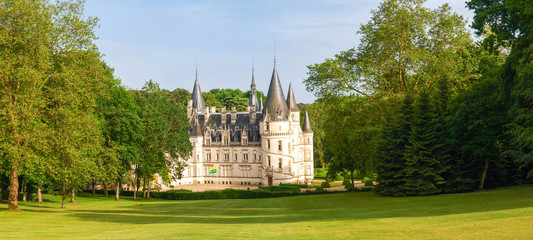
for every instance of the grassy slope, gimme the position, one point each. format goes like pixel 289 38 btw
pixel 497 214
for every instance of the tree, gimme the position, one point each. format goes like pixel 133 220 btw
pixel 122 132
pixel 318 115
pixel 36 37
pixel 72 118
pixel 211 101
pixel 391 150
pixel 422 169
pixel 511 23
pixel 240 104
pixel 351 137
pixel 405 47
pixel 165 135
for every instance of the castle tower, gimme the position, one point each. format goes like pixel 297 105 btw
pixel 197 141
pixel 307 136
pixel 276 135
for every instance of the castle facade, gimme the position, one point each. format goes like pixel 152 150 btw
pixel 262 146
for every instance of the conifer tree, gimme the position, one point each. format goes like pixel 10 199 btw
pixel 391 151
pixel 422 170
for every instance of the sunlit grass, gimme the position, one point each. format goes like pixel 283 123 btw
pixel 505 213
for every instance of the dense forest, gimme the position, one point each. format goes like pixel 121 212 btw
pixel 419 105
pixel 422 108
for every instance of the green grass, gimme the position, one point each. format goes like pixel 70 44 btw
pixel 505 213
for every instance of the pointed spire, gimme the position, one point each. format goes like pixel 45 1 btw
pixel 276 106
pixel 307 124
pixel 291 101
pixel 253 93
pixel 197 99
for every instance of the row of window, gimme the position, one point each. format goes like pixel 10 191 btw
pixel 226 156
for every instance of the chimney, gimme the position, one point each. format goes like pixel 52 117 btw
pixel 206 112
pixel 233 114
pixel 223 115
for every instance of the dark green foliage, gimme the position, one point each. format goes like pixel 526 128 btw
pixel 422 170
pixel 348 186
pixel 346 181
pixel 369 183
pixel 325 185
pixel 395 138
pixel 297 185
pixel 282 188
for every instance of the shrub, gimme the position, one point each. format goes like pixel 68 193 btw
pixel 348 186
pixel 339 177
pixel 281 188
pixel 297 185
pixel 320 175
pixel 369 183
pixel 325 185
pixel 319 189
pixel 346 181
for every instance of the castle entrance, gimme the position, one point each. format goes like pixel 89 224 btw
pixel 269 181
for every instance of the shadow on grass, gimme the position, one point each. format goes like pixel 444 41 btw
pixel 309 208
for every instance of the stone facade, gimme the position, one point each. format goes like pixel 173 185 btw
pixel 262 146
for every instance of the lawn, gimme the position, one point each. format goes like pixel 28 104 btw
pixel 505 213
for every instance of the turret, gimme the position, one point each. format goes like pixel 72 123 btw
pixel 276 106
pixel 198 103
pixel 291 104
pixel 253 95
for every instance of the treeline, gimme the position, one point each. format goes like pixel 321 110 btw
pixel 424 106
pixel 230 98
pixel 66 120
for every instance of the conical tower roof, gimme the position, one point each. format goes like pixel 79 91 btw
pixel 197 99
pixel 307 124
pixel 291 101
pixel 276 106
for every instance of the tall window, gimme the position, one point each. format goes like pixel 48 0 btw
pixel 280 163
pixel 279 146
pixel 268 144
pixel 268 159
pixel 235 157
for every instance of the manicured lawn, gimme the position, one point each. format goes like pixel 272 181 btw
pixel 505 213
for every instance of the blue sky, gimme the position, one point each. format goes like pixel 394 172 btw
pixel 160 40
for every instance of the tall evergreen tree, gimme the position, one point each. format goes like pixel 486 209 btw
pixel 391 151
pixel 422 170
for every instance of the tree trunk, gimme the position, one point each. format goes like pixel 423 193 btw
pixel 135 188
pixel 117 191
pixel 13 204
pixel 73 197
pixel 148 189
pixel 24 189
pixel 482 182
pixel 105 190
pixel 30 195
pixel 94 187
pixel 39 195
pixel 353 182
pixel 64 193
pixel 144 187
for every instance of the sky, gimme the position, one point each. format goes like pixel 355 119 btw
pixel 166 40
